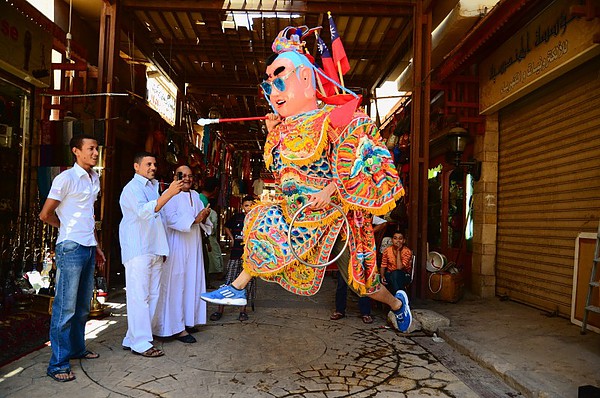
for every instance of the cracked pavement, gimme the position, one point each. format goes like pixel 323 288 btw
pixel 288 348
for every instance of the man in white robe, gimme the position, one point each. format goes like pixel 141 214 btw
pixel 182 280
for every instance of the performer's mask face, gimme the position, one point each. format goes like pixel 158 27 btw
pixel 290 88
pixel 278 82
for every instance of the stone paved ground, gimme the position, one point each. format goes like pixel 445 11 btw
pixel 288 348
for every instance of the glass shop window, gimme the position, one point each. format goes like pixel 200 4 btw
pixel 434 207
pixel 456 206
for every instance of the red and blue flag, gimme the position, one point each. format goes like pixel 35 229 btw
pixel 327 60
pixel 339 54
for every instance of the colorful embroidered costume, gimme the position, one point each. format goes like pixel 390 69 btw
pixel 306 152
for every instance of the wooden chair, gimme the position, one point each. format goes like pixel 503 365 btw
pixel 412 274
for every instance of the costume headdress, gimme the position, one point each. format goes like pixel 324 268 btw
pixel 291 39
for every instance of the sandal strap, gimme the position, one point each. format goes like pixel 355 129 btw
pixel 88 355
pixel 68 372
pixel 154 352
pixel 151 352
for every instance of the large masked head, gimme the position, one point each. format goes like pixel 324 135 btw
pixel 290 84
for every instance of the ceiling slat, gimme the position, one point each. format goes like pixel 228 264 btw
pixel 350 8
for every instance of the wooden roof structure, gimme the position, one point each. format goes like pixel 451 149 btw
pixel 217 49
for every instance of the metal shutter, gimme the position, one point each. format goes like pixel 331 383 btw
pixel 548 187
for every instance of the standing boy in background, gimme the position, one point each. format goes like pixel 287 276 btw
pixel 234 229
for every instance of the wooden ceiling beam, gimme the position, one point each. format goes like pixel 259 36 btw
pixel 338 8
pixel 361 50
pixel 219 89
pixel 224 66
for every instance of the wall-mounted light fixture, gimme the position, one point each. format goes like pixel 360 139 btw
pixel 458 138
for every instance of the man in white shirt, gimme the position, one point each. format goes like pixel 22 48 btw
pixel 143 247
pixel 70 208
pixel 182 278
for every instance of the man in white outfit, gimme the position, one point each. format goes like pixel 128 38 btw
pixel 70 208
pixel 143 248
pixel 182 279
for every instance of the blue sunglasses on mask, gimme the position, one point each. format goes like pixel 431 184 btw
pixel 278 82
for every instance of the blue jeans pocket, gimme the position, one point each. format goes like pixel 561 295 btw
pixel 66 247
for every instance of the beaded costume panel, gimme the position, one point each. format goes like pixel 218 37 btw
pixel 306 153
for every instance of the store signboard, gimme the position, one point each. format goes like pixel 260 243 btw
pixel 25 48
pixel 161 100
pixel 553 42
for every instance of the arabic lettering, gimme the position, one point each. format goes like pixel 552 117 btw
pixel 542 36
pixel 536 67
pixel 520 54
pixel 556 52
pixel 558 28
pixel 509 85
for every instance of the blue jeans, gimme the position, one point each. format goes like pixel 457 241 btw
pixel 397 280
pixel 74 287
pixel 341 294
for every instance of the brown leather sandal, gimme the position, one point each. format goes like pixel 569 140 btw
pixel 151 352
pixel 336 315
pixel 367 319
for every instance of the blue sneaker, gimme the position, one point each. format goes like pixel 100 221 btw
pixel 402 318
pixel 226 295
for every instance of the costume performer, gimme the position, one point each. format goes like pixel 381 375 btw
pixel 322 155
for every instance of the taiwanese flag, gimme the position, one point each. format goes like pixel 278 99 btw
pixel 339 54
pixel 328 65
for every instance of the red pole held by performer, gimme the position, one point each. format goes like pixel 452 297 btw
pixel 204 122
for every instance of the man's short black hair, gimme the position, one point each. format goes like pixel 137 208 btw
pixel 401 232
pixel 211 184
pixel 137 158
pixel 77 140
pixel 248 198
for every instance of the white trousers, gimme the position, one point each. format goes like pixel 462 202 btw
pixel 142 281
